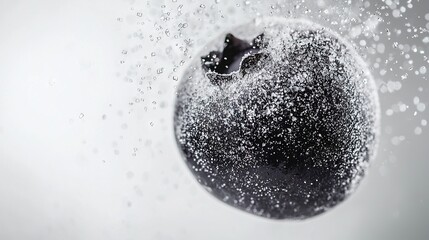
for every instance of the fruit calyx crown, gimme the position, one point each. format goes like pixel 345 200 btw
pixel 237 55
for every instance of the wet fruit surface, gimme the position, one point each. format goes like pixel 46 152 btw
pixel 280 121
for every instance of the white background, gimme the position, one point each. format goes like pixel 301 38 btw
pixel 77 161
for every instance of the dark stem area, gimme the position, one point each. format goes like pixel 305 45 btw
pixel 230 58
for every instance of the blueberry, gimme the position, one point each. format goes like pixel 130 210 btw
pixel 281 123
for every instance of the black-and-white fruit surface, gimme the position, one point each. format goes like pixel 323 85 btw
pixel 278 118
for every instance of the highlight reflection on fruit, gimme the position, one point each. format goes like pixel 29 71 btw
pixel 281 121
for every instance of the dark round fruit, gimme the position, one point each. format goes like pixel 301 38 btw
pixel 289 132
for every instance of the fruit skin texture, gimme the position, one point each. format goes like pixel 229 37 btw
pixel 290 134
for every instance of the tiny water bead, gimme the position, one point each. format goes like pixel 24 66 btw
pixel 278 118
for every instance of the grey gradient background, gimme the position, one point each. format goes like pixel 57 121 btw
pixel 86 144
